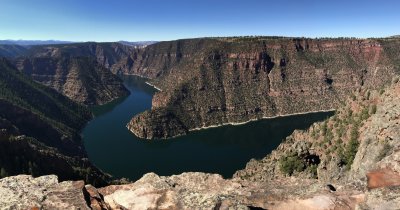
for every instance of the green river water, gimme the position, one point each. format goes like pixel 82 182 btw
pixel 224 150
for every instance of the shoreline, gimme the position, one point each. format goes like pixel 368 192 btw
pixel 137 75
pixel 155 87
pixel 263 118
pixel 148 83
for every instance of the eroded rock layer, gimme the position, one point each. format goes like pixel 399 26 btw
pixel 81 71
pixel 81 79
pixel 39 131
pixel 207 82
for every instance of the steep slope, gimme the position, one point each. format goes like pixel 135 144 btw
pixel 79 71
pixel 349 161
pixel 11 51
pixel 207 82
pixel 357 149
pixel 81 79
pixel 39 130
pixel 111 55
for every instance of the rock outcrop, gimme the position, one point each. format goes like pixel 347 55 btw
pixel 46 192
pixel 208 82
pixel 185 191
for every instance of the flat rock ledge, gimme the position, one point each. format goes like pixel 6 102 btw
pixel 185 191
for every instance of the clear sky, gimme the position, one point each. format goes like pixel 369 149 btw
pixel 139 20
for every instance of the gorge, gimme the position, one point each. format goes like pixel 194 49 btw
pixel 203 82
pixel 222 150
pixel 215 81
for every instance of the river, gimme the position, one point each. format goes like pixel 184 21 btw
pixel 224 150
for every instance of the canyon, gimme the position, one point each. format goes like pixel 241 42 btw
pixel 368 180
pixel 211 82
pixel 348 161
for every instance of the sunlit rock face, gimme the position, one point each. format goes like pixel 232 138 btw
pixel 208 82
pixel 82 72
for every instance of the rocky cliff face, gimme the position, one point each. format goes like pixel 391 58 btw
pixel 81 71
pixel 81 79
pixel 344 147
pixel 356 148
pixel 111 55
pixel 208 82
pixel 39 130
pixel 349 161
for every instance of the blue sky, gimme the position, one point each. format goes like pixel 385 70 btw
pixel 139 20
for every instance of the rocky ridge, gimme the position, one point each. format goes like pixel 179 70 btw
pixel 81 79
pixel 39 131
pixel 81 71
pixel 349 161
pixel 209 82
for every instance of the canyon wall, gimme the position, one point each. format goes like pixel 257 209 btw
pixel 39 131
pixel 208 82
pixel 80 71
pixel 81 79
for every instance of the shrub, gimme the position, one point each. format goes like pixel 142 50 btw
pixel 350 112
pixel 340 131
pixel 334 148
pixel 351 152
pixel 312 169
pixel 328 136
pixel 384 152
pixel 364 114
pixel 373 109
pixel 313 133
pixel 290 164
pixel 352 147
pixel 324 128
pixel 341 155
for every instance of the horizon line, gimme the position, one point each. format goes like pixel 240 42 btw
pixel 204 37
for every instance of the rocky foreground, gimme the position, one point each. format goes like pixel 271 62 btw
pixel 350 161
pixel 185 191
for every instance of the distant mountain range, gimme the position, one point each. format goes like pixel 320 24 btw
pixel 52 42
pixel 33 42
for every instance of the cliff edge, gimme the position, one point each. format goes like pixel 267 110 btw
pixel 211 82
